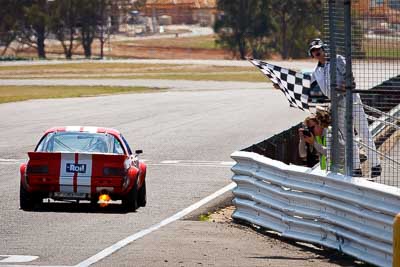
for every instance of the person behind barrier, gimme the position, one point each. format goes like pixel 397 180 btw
pixel 312 141
pixel 321 75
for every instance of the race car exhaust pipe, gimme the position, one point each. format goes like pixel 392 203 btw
pixel 104 200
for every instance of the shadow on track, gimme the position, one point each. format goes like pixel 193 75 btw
pixel 74 207
pixel 331 255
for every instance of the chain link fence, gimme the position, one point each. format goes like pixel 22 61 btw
pixel 365 104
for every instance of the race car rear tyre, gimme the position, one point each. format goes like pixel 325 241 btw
pixel 27 200
pixel 142 198
pixel 130 202
pixel 94 202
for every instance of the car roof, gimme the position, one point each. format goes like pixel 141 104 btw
pixel 83 129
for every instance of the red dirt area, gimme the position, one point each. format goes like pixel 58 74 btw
pixel 169 53
pixel 134 51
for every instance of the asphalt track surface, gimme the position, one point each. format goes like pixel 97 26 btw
pixel 187 137
pixel 187 133
pixel 154 83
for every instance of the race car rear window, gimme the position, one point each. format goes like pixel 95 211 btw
pixel 80 142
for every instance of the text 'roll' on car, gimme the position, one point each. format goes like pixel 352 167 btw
pixel 83 163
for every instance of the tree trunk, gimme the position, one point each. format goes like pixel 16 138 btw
pixel 88 49
pixel 40 42
pixel 67 49
pixel 87 40
pixel 242 46
pixel 5 48
pixel 101 47
pixel 101 39
pixel 68 54
pixel 283 37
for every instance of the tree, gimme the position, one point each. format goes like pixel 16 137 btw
pixel 64 24
pixel 103 19
pixel 259 40
pixel 243 24
pixel 33 24
pixel 31 21
pixel 9 12
pixel 259 27
pixel 89 18
pixel 109 14
pixel 296 22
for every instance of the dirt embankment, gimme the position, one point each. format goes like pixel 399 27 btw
pixel 171 53
pixel 130 50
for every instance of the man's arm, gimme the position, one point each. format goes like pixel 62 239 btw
pixel 341 68
pixel 341 65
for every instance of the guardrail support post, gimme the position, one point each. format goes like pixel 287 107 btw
pixel 396 241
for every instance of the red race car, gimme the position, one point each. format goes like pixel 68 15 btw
pixel 83 163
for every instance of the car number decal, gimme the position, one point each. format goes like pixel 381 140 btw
pixel 75 167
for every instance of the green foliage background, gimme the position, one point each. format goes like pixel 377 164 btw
pixel 257 28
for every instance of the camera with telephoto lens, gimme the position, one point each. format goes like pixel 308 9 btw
pixel 306 131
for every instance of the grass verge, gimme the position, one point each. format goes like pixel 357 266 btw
pixel 21 93
pixel 204 217
pixel 132 71
pixel 236 77
pixel 198 42
pixel 89 67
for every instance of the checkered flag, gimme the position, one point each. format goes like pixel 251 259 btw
pixel 294 85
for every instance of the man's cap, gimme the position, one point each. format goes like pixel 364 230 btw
pixel 315 44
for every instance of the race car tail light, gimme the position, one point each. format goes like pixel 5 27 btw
pixel 109 171
pixel 37 169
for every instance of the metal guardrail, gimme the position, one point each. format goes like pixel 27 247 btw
pixel 386 119
pixel 351 215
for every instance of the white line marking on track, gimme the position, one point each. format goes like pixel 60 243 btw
pixel 188 165
pixel 228 163
pixel 11 161
pixel 19 265
pixel 193 163
pixel 124 242
pixel 17 258
pixel 169 161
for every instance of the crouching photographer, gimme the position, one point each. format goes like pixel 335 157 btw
pixel 312 143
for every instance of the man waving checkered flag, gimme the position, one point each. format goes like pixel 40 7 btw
pixel 294 85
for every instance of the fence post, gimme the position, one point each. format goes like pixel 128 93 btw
pixel 396 241
pixel 348 86
pixel 334 112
